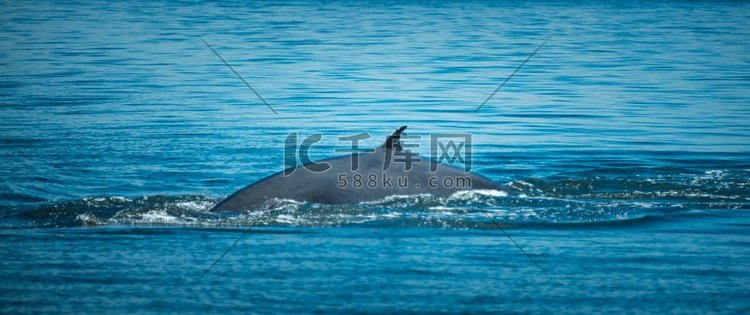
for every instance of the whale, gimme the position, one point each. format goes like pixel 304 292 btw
pixel 381 172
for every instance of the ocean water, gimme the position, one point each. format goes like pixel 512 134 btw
pixel 622 150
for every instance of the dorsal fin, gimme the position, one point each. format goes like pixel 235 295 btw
pixel 392 142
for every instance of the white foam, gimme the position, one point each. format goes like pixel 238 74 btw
pixel 159 216
pixel 525 183
pixel 484 192
pixel 392 198
pixel 441 208
pixel 89 219
pixel 195 205
pixel 288 219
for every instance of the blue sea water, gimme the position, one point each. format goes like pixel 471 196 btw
pixel 621 148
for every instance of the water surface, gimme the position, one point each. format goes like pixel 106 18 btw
pixel 621 148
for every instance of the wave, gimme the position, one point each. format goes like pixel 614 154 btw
pixel 558 203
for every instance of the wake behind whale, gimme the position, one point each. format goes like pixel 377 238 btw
pixel 360 177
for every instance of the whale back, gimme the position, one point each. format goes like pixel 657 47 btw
pixel 356 178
